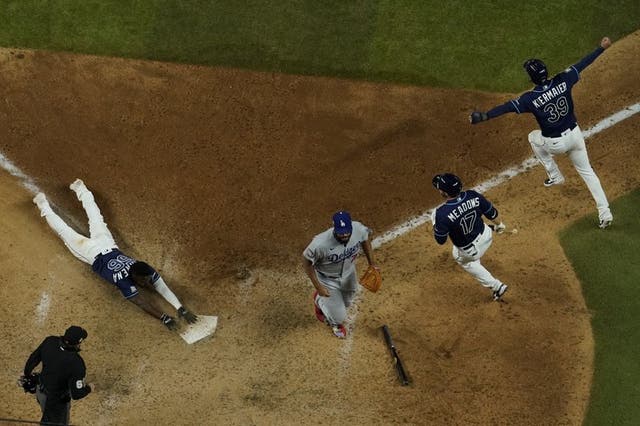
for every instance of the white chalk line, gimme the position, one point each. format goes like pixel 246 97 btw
pixel 42 309
pixel 417 221
pixel 13 170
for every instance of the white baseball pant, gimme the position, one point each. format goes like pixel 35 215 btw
pixel 469 259
pixel 572 143
pixel 84 248
pixel 342 291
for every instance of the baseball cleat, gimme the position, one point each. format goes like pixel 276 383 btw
pixel 499 292
pixel 317 309
pixel 339 331
pixel 605 223
pixel 77 186
pixel 39 199
pixel 550 182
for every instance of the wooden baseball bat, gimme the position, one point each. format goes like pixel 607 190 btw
pixel 402 375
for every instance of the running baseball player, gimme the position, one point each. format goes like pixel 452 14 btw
pixel 460 218
pixel 101 252
pixel 329 261
pixel 551 102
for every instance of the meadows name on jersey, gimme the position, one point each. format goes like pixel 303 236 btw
pixel 455 214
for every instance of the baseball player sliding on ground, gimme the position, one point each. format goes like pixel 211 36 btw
pixel 329 261
pixel 101 252
pixel 552 105
pixel 460 218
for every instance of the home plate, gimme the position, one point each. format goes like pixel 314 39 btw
pixel 205 326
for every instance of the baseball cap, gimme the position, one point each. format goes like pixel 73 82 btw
pixel 342 223
pixel 75 335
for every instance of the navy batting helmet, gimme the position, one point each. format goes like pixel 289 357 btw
pixel 449 183
pixel 537 70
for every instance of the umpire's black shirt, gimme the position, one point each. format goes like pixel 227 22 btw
pixel 63 369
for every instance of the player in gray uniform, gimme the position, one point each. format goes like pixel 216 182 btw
pixel 329 261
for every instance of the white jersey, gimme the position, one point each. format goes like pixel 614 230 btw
pixel 332 259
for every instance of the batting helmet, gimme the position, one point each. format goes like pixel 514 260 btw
pixel 449 183
pixel 537 70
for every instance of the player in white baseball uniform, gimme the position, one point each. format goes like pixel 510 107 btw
pixel 329 261
pixel 101 252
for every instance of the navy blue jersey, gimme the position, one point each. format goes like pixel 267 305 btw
pixel 461 218
pixel 551 103
pixel 114 267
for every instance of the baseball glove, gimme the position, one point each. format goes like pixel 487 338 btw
pixel 29 383
pixel 371 280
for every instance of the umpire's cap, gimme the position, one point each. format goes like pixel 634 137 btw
pixel 342 223
pixel 74 335
pixel 448 182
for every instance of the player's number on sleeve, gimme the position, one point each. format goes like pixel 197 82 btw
pixel 467 222
pixel 557 110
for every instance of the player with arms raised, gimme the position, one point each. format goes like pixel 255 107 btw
pixel 551 102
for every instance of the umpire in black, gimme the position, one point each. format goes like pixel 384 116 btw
pixel 62 376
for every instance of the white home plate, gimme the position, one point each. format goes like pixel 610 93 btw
pixel 205 326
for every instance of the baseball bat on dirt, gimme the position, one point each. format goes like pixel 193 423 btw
pixel 402 375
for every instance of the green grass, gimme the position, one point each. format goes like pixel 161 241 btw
pixel 607 265
pixel 453 43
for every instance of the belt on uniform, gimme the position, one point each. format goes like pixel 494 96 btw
pixel 103 252
pixel 559 133
pixel 467 247
pixel 328 276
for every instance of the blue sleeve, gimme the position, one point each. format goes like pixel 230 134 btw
pixel 510 106
pixel 440 231
pixel 488 210
pixel 587 60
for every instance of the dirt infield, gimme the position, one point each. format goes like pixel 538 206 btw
pixel 220 177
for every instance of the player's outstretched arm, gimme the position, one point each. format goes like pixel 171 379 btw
pixel 509 106
pixel 588 60
pixel 147 305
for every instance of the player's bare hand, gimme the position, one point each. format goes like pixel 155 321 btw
pixel 605 43
pixel 187 315
pixel 322 291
